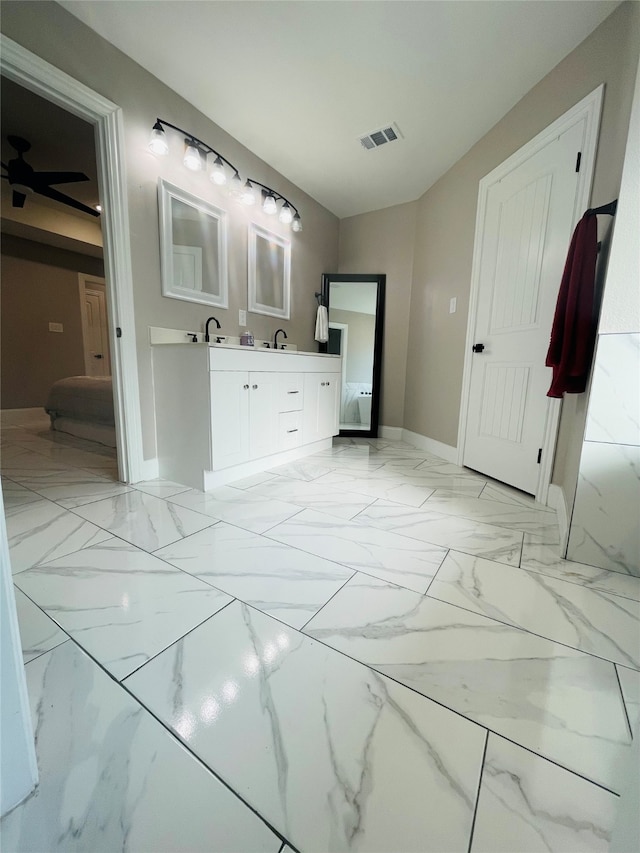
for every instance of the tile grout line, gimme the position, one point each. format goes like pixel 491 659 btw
pixel 624 701
pixel 479 789
pixel 311 618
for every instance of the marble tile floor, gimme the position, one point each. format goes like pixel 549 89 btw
pixel 290 663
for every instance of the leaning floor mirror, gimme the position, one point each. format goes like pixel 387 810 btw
pixel 356 317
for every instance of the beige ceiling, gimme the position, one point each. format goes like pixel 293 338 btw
pixel 299 82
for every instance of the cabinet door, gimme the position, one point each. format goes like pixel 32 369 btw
pixel 263 414
pixel 229 417
pixel 320 406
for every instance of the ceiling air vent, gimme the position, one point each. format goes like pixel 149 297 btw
pixel 376 138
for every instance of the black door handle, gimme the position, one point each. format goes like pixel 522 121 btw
pixel 98 355
pixel 478 347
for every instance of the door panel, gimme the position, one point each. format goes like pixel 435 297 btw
pixel 527 230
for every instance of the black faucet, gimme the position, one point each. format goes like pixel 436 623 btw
pixel 206 328
pixel 275 338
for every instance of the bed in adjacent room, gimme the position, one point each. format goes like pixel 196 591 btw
pixel 83 406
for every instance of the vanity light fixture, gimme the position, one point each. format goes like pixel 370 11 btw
pixel 195 159
pixel 270 199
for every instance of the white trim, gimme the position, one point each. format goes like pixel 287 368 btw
pixel 422 442
pixel 27 69
pixel 587 110
pixel 392 433
pixel 557 500
pixel 150 470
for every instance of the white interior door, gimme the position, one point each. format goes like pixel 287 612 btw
pixel 528 222
pixel 95 327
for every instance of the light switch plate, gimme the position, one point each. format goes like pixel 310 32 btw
pixel 242 317
pixel 56 327
pixel 453 302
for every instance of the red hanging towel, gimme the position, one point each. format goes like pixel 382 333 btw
pixel 574 325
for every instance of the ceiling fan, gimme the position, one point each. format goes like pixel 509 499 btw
pixel 24 179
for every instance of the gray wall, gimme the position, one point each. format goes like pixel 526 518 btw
pixel 68 44
pixel 383 242
pixel 360 340
pixel 32 357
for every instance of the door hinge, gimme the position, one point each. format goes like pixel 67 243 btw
pixel 118 332
pixel 578 159
pixel 539 455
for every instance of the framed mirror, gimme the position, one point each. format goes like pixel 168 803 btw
pixel 356 318
pixel 193 247
pixel 269 273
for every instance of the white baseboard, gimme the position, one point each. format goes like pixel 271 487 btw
pixel 393 433
pixel 444 451
pixel 556 500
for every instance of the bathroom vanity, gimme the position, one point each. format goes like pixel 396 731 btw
pixel 225 412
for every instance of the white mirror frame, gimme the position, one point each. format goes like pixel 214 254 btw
pixel 255 232
pixel 167 192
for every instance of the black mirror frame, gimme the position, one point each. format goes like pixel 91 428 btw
pixel 381 281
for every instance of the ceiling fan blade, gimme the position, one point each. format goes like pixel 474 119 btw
pixel 18 199
pixel 59 177
pixel 48 192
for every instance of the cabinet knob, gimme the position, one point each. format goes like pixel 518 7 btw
pixel 328 383
pixel 246 387
pixel 254 387
pixel 292 430
pixel 322 383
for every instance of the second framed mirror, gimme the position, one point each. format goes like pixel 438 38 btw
pixel 355 304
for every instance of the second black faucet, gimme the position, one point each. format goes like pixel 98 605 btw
pixel 206 328
pixel 275 338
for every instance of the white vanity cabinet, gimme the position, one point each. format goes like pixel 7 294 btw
pixel 223 413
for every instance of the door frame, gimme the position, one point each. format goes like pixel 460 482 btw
pixel 344 345
pixel 88 282
pixel 30 71
pixel 588 110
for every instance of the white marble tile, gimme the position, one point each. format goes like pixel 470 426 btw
pixel 511 516
pixel 604 527
pixel 43 531
pixel 630 686
pixel 253 480
pixel 112 778
pixel 614 399
pixel 160 488
pixel 390 488
pixel 143 520
pixel 586 619
pixel 70 488
pixel 38 633
pixel 506 494
pixel 313 496
pixel 544 558
pixel 529 804
pixel 554 700
pixel 14 457
pixel 72 456
pixel 471 537
pixel 237 506
pixel 15 495
pixel 120 604
pixel 337 743
pixel 385 555
pixel 284 582
pixel 304 469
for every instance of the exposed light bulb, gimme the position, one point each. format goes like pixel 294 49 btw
pixel 235 187
pixel 158 142
pixel 286 215
pixel 218 174
pixel 98 207
pixel 269 205
pixel 248 194
pixel 192 159
pixel 297 224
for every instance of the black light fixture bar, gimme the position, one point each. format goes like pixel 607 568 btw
pixel 278 196
pixel 198 143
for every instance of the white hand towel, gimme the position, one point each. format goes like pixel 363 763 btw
pixel 322 325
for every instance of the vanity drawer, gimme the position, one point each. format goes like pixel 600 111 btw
pixel 291 392
pixel 290 430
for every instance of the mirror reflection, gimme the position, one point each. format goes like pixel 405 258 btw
pixel 352 331
pixel 193 242
pixel 269 273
